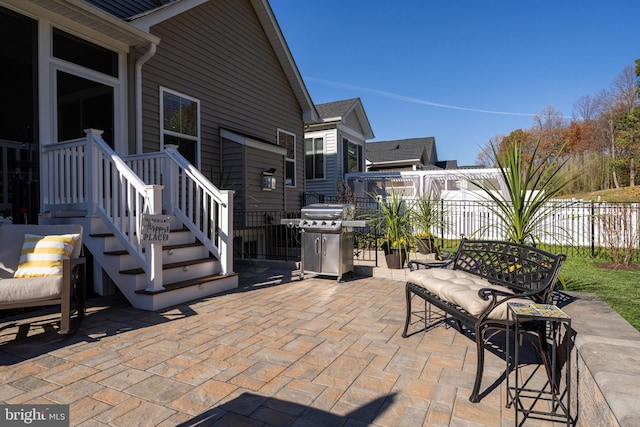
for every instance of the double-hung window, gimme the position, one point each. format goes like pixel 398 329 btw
pixel 180 119
pixel 314 158
pixel 288 141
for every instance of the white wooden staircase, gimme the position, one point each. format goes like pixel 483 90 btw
pixel 88 183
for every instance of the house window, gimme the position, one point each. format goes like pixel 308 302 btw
pixel 288 141
pixel 352 156
pixel 84 53
pixel 314 158
pixel 180 118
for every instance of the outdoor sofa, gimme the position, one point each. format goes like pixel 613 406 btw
pixel 41 265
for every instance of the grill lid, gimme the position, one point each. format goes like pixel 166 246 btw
pixel 325 211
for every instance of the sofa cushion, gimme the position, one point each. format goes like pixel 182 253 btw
pixel 43 255
pixel 460 288
pixel 30 289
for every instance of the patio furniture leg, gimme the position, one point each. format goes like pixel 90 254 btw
pixel 475 393
pixel 408 319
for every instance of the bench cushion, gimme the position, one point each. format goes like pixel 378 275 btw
pixel 30 289
pixel 460 288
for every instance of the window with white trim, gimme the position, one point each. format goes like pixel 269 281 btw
pixel 314 158
pixel 288 141
pixel 180 123
pixel 352 156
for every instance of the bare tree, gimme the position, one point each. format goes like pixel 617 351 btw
pixel 549 129
pixel 587 108
pixel 625 89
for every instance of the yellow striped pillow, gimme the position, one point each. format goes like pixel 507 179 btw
pixel 43 255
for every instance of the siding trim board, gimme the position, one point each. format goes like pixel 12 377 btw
pixel 249 142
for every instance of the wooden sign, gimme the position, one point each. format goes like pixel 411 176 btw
pixel 155 228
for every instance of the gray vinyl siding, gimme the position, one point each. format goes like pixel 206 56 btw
pixel 353 123
pixel 257 199
pixel 326 186
pixel 218 53
pixel 231 175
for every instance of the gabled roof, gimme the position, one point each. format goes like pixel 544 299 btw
pixel 338 111
pixel 410 150
pixel 143 14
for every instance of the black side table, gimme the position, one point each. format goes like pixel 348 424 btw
pixel 555 394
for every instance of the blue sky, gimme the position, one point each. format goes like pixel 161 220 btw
pixel 462 71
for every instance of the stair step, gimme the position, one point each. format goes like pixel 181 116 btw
pixel 167 247
pixel 171 265
pixel 109 234
pixel 188 283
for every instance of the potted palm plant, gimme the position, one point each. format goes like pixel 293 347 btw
pixel 530 185
pixel 392 221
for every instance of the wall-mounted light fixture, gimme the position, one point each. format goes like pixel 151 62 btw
pixel 268 180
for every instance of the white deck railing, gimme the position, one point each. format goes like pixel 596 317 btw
pixel 205 210
pixel 87 174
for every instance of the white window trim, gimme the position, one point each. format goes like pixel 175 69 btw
pixel 48 92
pixel 324 157
pixel 361 161
pixel 164 132
pixel 287 159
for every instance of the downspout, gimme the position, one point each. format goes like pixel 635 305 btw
pixel 139 63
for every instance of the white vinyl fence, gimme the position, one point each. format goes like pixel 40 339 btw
pixel 568 223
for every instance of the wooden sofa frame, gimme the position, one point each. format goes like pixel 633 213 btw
pixel 523 271
pixel 73 277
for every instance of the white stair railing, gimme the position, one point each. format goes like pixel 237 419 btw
pixel 88 174
pixel 204 209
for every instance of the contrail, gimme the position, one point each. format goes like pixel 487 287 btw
pixel 413 100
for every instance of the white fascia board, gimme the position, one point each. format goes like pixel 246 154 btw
pixel 345 130
pixel 153 17
pixel 253 143
pixel 393 162
pixel 86 20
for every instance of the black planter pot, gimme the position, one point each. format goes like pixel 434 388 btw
pixel 426 245
pixel 395 258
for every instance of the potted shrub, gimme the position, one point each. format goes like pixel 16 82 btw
pixel 392 220
pixel 426 216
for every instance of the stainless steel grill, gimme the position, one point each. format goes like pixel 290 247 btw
pixel 327 238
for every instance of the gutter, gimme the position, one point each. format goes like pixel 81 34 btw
pixel 139 63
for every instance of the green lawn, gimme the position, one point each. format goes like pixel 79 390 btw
pixel 618 288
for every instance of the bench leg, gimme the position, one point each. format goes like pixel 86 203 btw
pixel 475 393
pixel 408 319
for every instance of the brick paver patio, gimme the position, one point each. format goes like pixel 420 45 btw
pixel 279 351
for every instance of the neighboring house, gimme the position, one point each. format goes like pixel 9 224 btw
pixel 335 146
pixel 178 94
pixel 402 155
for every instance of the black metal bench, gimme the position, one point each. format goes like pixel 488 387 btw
pixel 474 285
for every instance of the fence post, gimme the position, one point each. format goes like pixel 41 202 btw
pixel 593 229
